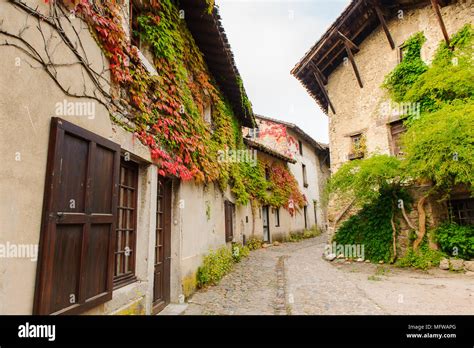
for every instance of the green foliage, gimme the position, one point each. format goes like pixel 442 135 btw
pixel 215 265
pixel 363 179
pixel 239 252
pixel 450 78
pixel 440 147
pixel 408 71
pixel 371 226
pixel 306 234
pixel 424 258
pixel 254 243
pixel 456 240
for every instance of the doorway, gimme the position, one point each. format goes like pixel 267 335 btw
pixel 161 283
pixel 266 224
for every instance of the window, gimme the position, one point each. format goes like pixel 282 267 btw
pixel 277 217
pixel 267 173
pixel 397 128
pixel 357 146
pixel 462 211
pixel 300 147
pixel 254 133
pixel 76 268
pixel 134 36
pixel 401 52
pixel 124 272
pixel 207 113
pixel 229 209
pixel 305 178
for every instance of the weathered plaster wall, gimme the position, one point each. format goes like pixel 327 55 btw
pixel 28 100
pixel 358 109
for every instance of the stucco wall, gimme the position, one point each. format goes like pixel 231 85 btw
pixel 359 109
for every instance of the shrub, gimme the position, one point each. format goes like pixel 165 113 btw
pixel 215 265
pixel 239 252
pixel 306 234
pixel 423 258
pixel 456 240
pixel 254 243
pixel 371 226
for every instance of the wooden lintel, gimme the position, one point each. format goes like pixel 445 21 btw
pixel 321 75
pixel 384 25
pixel 354 66
pixel 435 5
pixel 323 89
pixel 347 41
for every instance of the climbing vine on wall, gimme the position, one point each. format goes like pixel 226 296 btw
pixel 438 146
pixel 166 110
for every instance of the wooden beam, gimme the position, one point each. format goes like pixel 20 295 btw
pixel 435 5
pixel 384 25
pixel 354 66
pixel 321 75
pixel 352 45
pixel 323 89
pixel 355 6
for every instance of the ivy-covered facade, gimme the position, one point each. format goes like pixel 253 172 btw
pixel 130 166
pixel 400 124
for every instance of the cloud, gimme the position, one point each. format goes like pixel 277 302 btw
pixel 268 38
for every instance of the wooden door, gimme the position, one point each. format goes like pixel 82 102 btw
pixel 266 224
pixel 161 282
pixel 229 221
pixel 75 264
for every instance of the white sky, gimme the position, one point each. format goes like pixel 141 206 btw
pixel 268 37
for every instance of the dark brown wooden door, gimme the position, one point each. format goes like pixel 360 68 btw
pixel 161 283
pixel 75 264
pixel 228 218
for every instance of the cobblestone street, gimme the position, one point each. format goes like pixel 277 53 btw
pixel 294 279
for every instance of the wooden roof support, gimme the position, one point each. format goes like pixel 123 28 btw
pixel 349 43
pixel 321 75
pixel 435 5
pixel 321 85
pixel 354 66
pixel 384 25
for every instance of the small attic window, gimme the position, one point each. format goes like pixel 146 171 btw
pixel 207 114
pixel 207 107
pixel 134 13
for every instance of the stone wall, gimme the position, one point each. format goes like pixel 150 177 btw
pixel 360 110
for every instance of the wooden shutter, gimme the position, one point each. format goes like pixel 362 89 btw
pixel 396 130
pixel 76 252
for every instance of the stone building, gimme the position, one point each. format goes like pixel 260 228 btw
pixel 345 69
pixel 309 165
pixel 96 217
pixel 115 236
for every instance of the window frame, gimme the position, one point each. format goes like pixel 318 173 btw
pixel 300 147
pixel 130 277
pixel 393 141
pixel 277 217
pixel 305 175
pixel 469 212
pixel 355 152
